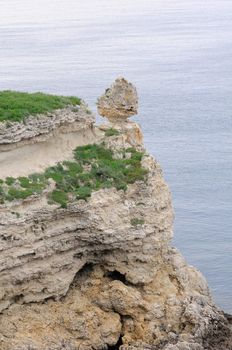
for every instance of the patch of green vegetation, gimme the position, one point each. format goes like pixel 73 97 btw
pixel 86 154
pixel 111 132
pixel 14 193
pixel 16 106
pixel 2 195
pixel 83 192
pixel 94 167
pixel 136 221
pixel 21 188
pixel 10 180
pixel 60 197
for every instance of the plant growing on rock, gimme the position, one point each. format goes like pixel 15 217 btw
pixel 94 167
pixel 111 132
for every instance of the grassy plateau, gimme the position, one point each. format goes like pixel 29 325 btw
pixel 16 106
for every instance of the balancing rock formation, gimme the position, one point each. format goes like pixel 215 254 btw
pixel 119 102
pixel 101 273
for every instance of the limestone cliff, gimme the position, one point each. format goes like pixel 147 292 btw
pixel 100 273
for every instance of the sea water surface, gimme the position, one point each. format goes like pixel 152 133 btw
pixel 179 55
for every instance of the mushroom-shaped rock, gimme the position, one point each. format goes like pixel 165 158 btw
pixel 119 102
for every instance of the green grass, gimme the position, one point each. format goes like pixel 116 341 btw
pixel 111 132
pixel 93 168
pixel 10 180
pixel 60 197
pixel 16 106
pixel 22 187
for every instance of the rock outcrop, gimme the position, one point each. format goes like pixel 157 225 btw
pixel 42 140
pixel 40 127
pixel 119 102
pixel 101 273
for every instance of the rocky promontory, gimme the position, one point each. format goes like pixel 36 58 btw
pixel 86 224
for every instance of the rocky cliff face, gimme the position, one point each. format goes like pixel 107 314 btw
pixel 101 273
pixel 42 140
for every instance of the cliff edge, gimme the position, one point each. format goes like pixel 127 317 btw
pixel 85 240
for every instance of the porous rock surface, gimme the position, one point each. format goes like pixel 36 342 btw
pixel 40 141
pixel 42 126
pixel 119 102
pixel 102 274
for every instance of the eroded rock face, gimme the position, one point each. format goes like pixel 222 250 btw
pixel 102 273
pixel 119 102
pixel 111 261
pixel 43 140
pixel 40 127
pixel 44 246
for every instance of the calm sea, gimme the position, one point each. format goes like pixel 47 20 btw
pixel 179 54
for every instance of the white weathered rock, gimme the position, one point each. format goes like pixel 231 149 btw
pixel 119 102
pixel 39 127
pixel 40 141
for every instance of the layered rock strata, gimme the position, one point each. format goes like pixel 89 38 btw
pixel 102 274
pixel 42 140
pixel 40 127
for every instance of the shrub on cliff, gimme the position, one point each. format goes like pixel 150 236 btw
pixel 94 167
